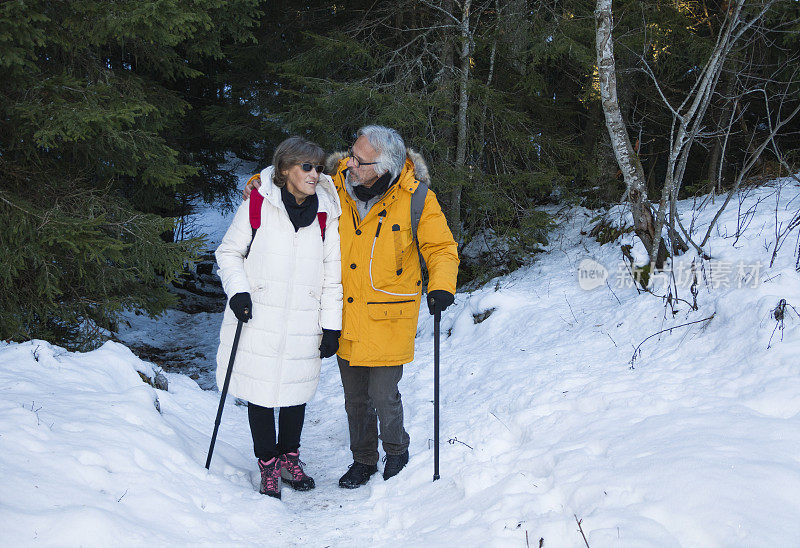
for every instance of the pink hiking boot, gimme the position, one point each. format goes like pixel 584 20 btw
pixel 293 474
pixel 270 477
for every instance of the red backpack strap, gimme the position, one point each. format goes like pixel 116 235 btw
pixel 256 199
pixel 322 218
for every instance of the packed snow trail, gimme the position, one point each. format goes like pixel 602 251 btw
pixel 543 422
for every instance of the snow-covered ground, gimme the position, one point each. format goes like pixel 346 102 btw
pixel 544 421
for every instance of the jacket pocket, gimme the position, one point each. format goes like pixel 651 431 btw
pixel 395 310
pixel 259 292
pixel 394 264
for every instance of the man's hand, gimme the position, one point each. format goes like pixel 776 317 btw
pixel 330 343
pixel 242 306
pixel 253 183
pixel 439 299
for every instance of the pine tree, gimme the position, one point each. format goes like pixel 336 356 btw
pixel 97 128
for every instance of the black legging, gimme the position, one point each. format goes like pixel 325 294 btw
pixel 262 427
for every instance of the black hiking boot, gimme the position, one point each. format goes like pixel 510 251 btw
pixel 357 475
pixel 394 463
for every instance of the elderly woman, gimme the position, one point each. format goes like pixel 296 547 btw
pixel 288 291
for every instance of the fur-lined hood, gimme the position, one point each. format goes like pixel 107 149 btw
pixel 420 167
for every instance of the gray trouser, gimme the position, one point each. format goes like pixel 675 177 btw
pixel 371 395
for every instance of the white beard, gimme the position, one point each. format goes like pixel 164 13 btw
pixel 363 208
pixel 351 180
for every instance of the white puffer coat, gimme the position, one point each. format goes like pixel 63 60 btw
pixel 294 280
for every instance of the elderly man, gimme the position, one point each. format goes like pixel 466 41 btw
pixel 382 283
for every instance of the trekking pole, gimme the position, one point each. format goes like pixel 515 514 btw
pixel 437 317
pixel 224 391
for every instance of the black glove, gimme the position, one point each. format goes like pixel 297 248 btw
pixel 329 344
pixel 439 298
pixel 242 306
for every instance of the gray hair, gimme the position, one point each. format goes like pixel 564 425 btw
pixel 390 147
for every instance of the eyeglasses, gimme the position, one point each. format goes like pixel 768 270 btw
pixel 356 161
pixel 307 166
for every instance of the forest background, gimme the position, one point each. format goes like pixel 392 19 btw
pixel 117 119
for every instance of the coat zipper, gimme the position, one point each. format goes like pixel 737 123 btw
pixel 286 307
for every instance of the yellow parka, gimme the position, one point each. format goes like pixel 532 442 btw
pixel 381 275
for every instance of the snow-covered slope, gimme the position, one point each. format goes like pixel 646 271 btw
pixel 544 422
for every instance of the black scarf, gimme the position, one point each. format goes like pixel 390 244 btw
pixel 377 189
pixel 303 214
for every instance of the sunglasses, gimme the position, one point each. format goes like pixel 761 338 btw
pixel 307 166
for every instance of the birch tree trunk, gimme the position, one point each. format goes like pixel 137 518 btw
pixel 687 123
pixel 628 160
